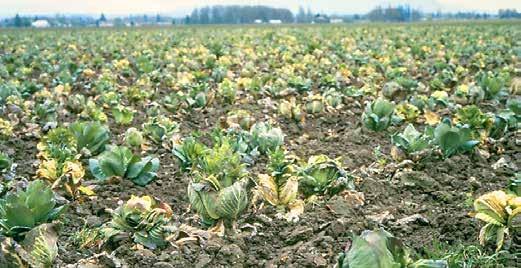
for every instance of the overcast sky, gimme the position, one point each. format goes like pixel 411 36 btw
pixel 182 7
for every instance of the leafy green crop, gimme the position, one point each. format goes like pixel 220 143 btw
pixel 475 119
pixel 5 162
pixel 189 152
pixel 265 138
pixel 322 175
pixel 492 84
pixel 453 140
pixel 142 218
pixel 159 129
pixel 122 115
pixel 119 161
pixel 59 144
pixel 378 114
pixel 219 188
pixel 502 214
pixel 24 210
pixel 410 140
pixel 380 249
pixel 91 137
pixel 515 184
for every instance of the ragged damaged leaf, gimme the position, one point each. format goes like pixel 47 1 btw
pixel 280 189
pixel 281 192
pixel 38 249
pixel 502 214
pixel 144 219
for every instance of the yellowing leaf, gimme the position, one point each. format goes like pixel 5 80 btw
pixel 431 118
pixel 86 191
pixel 143 203
pixel 295 209
pixel 47 170
pixel 218 229
pixel 75 170
pixel 515 202
pixel 439 95
pixel 493 204
pixel 485 232
pixel 289 191
pixel 488 219
pixel 268 188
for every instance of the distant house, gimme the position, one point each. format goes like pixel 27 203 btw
pixel 41 24
pixel 336 21
pixel 164 23
pixel 319 18
pixel 275 21
pixel 258 21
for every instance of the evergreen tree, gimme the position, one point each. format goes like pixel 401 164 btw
pixel 18 21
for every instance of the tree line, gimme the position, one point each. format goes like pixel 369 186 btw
pixel 509 14
pixel 237 14
pixel 394 14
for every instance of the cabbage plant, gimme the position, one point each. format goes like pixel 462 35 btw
pixel 119 161
pixel 160 128
pixel 292 110
pixel 323 175
pixel 515 184
pixel 215 199
pixel 410 140
pixel 59 159
pixel 23 210
pixel 407 112
pixel 122 115
pixel 266 138
pixel 241 119
pixel 502 214
pixel 133 137
pixel 452 140
pixel 6 129
pixel 502 122
pixel 188 152
pixel 59 143
pixel 67 175
pixel 378 115
pixel 314 104
pixel 93 112
pixel 39 248
pixel 144 219
pixel 380 249
pixel 76 103
pixel 333 98
pixel 514 105
pixel 91 137
pixel 219 189
pixel 492 84
pixel 227 90
pixel 280 188
pixel 472 116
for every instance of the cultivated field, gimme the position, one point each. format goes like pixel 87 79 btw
pixel 260 146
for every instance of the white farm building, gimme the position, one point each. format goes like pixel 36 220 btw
pixel 41 24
